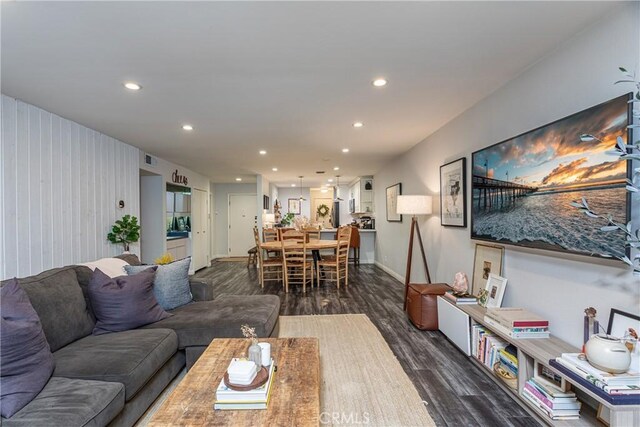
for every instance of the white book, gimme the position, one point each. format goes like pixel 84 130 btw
pixel 225 395
pixel 631 377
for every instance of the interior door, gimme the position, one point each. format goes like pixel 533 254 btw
pixel 242 218
pixel 199 221
pixel 326 221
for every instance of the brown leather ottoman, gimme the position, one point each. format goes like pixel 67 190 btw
pixel 422 306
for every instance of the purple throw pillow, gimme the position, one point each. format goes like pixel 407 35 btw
pixel 124 302
pixel 26 362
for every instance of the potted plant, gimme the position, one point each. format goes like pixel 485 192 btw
pixel 125 231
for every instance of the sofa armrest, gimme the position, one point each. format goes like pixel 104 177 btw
pixel 201 291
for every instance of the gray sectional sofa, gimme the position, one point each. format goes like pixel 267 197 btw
pixel 112 379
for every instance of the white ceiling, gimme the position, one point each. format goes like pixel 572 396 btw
pixel 286 77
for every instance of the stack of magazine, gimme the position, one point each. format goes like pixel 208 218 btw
pixel 558 404
pixel 517 323
pixel 460 298
pixel 257 398
pixel 627 383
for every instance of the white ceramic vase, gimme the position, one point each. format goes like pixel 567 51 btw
pixel 608 354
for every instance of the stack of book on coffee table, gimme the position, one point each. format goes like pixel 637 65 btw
pixel 257 398
pixel 517 322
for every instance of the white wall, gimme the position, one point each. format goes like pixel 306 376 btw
pixel 286 193
pixel 60 183
pixel 153 221
pixel 221 213
pixel 578 75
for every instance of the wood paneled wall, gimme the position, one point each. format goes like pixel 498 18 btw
pixel 60 184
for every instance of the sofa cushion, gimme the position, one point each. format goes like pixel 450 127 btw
pixel 57 298
pixel 171 283
pixel 26 362
pixel 199 323
pixel 129 357
pixel 124 302
pixel 66 402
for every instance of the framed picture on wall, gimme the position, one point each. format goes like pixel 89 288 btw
pixel 453 193
pixel 487 260
pixel 392 203
pixel 294 206
pixel 265 202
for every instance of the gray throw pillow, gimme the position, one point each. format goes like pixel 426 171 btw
pixel 124 302
pixel 26 362
pixel 171 284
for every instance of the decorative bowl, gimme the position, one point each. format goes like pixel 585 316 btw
pixel 608 354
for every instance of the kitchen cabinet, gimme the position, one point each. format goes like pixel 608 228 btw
pixel 361 192
pixel 178 248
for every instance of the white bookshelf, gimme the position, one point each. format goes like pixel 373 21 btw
pixel 455 322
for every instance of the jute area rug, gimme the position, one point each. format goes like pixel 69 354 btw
pixel 362 381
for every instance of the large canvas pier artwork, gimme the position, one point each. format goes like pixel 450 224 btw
pixel 522 187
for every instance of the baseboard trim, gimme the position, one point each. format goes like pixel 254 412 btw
pixel 389 271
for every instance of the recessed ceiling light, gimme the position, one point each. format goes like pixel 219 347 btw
pixel 330 180
pixel 132 86
pixel 187 127
pixel 263 152
pixel 274 169
pixel 379 82
pixel 238 179
pixel 293 185
pixel 358 124
pixel 345 150
pixel 336 168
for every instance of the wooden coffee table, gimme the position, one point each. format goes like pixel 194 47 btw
pixel 295 397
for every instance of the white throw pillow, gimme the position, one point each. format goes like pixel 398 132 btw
pixel 112 267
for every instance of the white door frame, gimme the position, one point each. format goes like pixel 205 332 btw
pixel 254 195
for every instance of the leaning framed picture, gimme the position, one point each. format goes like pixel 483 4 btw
pixel 294 206
pixel 453 193
pixel 392 203
pixel 624 325
pixel 495 290
pixel 487 260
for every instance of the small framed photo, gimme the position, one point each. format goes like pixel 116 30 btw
pixel 392 203
pixel 265 202
pixel 487 260
pixel 294 206
pixel 494 291
pixel 548 378
pixel 453 193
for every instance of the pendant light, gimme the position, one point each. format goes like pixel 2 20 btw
pixel 302 199
pixel 337 197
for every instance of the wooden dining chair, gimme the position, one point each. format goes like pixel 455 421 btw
pixel 336 267
pixel 311 233
pixel 283 230
pixel 270 235
pixel 292 235
pixel 270 269
pixel 298 267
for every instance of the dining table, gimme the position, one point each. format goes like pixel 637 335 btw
pixel 312 244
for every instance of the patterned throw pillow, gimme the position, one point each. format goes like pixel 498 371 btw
pixel 125 302
pixel 171 284
pixel 26 362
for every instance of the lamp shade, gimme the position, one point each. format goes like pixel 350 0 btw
pixel 414 205
pixel 268 218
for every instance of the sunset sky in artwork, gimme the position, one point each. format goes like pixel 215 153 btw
pixel 553 157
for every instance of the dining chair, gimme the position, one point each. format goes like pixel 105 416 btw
pixel 292 235
pixel 336 267
pixel 283 230
pixel 270 269
pixel 311 233
pixel 298 267
pixel 270 235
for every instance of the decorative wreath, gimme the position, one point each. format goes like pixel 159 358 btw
pixel 323 210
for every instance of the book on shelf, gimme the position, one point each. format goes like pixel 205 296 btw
pixel 589 382
pixel 460 298
pixel 553 403
pixel 554 414
pixel 512 317
pixel 257 398
pixel 498 327
pixel 574 362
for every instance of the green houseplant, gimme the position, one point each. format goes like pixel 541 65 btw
pixel 125 231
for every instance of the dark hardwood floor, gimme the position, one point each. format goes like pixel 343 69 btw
pixel 457 393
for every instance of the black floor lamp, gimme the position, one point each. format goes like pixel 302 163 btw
pixel 414 206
